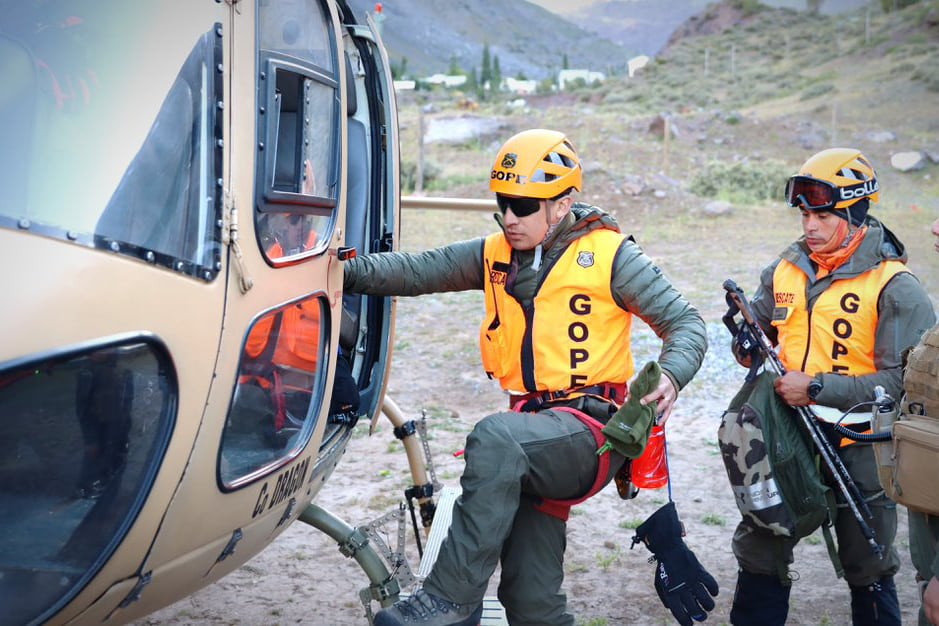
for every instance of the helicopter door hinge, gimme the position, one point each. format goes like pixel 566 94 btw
pixel 288 511
pixel 134 594
pixel 229 549
pixel 230 239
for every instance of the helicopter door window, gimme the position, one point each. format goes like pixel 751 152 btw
pixel 83 433
pixel 297 28
pixel 297 176
pixel 278 391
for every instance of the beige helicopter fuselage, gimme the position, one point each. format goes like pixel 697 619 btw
pixel 169 347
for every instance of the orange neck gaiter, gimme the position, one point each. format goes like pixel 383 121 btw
pixel 828 262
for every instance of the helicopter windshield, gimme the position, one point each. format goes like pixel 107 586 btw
pixel 108 145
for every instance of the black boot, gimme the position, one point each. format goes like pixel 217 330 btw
pixel 875 605
pixel 426 609
pixel 759 600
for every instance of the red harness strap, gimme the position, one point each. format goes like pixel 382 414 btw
pixel 561 509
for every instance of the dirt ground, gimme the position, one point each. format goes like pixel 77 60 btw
pixel 303 579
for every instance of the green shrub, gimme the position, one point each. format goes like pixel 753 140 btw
pixel 409 175
pixel 742 183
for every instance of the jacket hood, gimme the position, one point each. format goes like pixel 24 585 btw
pixel 890 245
pixel 584 219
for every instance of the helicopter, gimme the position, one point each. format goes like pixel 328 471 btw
pixel 180 371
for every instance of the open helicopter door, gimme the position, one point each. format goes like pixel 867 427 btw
pixel 373 211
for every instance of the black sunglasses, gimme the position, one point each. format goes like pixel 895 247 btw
pixel 521 207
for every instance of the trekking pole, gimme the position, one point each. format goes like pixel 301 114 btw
pixel 738 302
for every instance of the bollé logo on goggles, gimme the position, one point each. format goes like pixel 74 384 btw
pixel 867 188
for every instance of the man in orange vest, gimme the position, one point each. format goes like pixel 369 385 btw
pixel 842 308
pixel 561 285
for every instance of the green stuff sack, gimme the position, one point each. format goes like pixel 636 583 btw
pixel 627 432
pixel 771 463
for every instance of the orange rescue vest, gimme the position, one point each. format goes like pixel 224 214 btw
pixel 839 333
pixel 573 335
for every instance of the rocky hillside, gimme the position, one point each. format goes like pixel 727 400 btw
pixel 643 26
pixel 532 38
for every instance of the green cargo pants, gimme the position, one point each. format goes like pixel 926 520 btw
pixel 512 461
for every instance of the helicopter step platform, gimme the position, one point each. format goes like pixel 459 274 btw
pixel 493 613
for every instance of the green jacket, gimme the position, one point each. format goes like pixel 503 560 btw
pixel 905 313
pixel 637 285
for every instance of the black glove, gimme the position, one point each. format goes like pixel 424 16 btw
pixel 684 587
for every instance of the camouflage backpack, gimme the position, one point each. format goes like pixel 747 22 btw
pixel 772 466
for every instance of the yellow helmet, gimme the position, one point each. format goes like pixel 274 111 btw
pixel 835 180
pixel 536 163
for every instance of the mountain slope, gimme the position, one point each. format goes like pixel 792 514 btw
pixel 638 25
pixel 527 39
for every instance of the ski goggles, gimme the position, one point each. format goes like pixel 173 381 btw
pixel 521 207
pixel 813 194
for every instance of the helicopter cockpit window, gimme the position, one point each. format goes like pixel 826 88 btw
pixel 298 129
pixel 279 388
pixel 83 434
pixel 86 159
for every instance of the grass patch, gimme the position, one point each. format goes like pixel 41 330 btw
pixel 631 524
pixel 606 559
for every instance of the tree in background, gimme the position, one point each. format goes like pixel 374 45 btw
pixel 496 84
pixel 814 7
pixel 399 71
pixel 472 83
